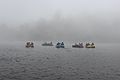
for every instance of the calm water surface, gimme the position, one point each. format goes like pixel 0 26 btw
pixel 49 63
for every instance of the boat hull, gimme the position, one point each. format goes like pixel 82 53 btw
pixel 60 46
pixel 77 46
pixel 47 44
pixel 90 46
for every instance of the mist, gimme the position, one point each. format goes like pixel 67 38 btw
pixel 95 23
pixel 98 28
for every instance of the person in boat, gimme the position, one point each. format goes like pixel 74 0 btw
pixel 87 44
pixel 28 44
pixel 50 42
pixel 62 43
pixel 32 44
pixel 92 44
pixel 81 44
pixel 58 43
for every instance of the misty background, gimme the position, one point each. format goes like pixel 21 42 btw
pixel 66 20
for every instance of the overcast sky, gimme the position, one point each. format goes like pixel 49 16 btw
pixel 85 20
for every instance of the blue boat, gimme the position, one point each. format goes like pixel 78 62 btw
pixel 60 45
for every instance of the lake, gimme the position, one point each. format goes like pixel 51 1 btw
pixel 49 63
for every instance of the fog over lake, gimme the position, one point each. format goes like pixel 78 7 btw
pixel 70 21
pixel 67 20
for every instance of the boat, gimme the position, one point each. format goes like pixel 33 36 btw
pixel 47 44
pixel 29 45
pixel 80 45
pixel 60 45
pixel 88 45
pixel 92 45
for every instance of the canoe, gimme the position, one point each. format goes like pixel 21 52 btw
pixel 47 44
pixel 79 45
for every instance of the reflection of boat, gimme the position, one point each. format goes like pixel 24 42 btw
pixel 29 44
pixel 60 45
pixel 80 45
pixel 88 45
pixel 47 44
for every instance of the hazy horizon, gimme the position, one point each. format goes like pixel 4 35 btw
pixel 67 20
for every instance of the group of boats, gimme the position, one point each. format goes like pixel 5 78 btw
pixel 61 45
pixel 87 45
